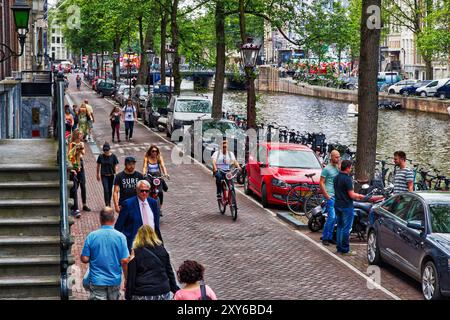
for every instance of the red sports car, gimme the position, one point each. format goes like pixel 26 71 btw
pixel 278 165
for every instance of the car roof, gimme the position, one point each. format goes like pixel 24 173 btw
pixel 434 196
pixel 218 120
pixel 191 97
pixel 285 146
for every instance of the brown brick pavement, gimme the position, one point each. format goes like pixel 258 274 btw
pixel 256 257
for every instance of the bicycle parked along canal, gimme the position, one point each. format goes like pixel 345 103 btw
pixel 303 197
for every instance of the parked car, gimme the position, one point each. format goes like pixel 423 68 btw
pixel 396 87
pixel 122 95
pixel 155 113
pixel 444 91
pixel 411 89
pixel 95 81
pixel 276 167
pixel 210 132
pixel 430 89
pixel 139 95
pixel 411 231
pixel 387 78
pixel 183 110
pixel 106 88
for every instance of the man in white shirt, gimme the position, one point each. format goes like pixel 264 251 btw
pixel 137 211
pixel 129 116
pixel 223 160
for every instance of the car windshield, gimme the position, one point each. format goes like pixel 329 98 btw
pixel 222 126
pixel 293 159
pixel 440 217
pixel 193 106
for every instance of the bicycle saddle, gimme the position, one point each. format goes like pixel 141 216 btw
pixel 310 175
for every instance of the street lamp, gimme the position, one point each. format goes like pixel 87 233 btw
pixel 129 53
pixel 150 56
pixel 249 54
pixel 21 13
pixel 170 55
pixel 116 56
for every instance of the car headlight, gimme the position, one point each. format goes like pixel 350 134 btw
pixel 279 183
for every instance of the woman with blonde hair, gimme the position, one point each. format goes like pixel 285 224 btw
pixel 150 275
pixel 154 167
pixel 83 118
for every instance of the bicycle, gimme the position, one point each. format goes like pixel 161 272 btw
pixel 228 193
pixel 303 197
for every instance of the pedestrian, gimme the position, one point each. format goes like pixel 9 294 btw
pixel 129 116
pixel 74 113
pixel 150 275
pixel 107 254
pixel 69 121
pixel 78 82
pixel 107 166
pixel 343 206
pixel 137 211
pixel 327 187
pixel 114 118
pixel 91 118
pixel 83 118
pixel 75 154
pixel 404 176
pixel 125 183
pixel 191 273
pixel 154 166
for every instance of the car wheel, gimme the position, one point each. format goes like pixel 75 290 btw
pixel 373 251
pixel 442 96
pixel 315 224
pixel 430 282
pixel 247 190
pixel 392 91
pixel 423 94
pixel 264 202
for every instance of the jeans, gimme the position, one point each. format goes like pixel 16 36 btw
pixel 344 218
pixel 107 182
pixel 328 228
pixel 115 126
pixel 129 125
pixel 219 177
pixel 74 190
pixel 104 292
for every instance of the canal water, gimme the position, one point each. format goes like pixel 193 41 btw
pixel 423 136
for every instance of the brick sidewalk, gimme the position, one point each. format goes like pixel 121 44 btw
pixel 256 257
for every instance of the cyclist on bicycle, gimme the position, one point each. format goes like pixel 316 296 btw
pixel 222 159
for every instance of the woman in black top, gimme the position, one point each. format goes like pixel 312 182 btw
pixel 150 275
pixel 107 166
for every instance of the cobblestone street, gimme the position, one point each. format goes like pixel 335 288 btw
pixel 255 257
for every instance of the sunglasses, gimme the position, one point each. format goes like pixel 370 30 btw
pixel 154 151
pixel 144 191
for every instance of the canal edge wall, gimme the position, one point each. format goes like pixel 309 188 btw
pixel 270 81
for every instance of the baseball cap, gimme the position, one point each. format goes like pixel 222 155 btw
pixel 130 159
pixel 106 147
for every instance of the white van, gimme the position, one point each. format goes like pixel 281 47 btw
pixel 184 110
pixel 431 88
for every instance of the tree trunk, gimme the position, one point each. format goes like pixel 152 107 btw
pixel 148 44
pixel 163 46
pixel 220 60
pixel 142 74
pixel 367 96
pixel 339 61
pixel 428 68
pixel 117 43
pixel 175 43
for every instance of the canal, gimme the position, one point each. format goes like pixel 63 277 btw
pixel 423 136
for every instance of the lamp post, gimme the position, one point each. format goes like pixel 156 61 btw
pixel 21 13
pixel 129 53
pixel 170 54
pixel 115 57
pixel 150 56
pixel 249 54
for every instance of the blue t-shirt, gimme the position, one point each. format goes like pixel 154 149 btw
pixel 105 248
pixel 342 185
pixel 329 173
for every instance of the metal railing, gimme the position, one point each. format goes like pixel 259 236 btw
pixel 65 242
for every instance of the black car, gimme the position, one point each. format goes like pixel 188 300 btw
pixel 106 88
pixel 411 90
pixel 156 110
pixel 411 231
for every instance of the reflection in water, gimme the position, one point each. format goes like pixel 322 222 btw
pixel 423 136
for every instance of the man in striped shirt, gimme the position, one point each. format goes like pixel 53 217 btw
pixel 404 176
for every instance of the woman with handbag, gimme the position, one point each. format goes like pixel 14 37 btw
pixel 154 166
pixel 191 273
pixel 150 275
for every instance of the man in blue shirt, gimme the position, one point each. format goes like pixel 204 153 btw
pixel 343 205
pixel 107 253
pixel 327 187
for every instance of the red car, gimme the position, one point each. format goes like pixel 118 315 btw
pixel 278 165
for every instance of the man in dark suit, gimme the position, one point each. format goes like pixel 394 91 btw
pixel 137 211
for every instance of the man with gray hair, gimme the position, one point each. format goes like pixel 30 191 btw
pixel 107 254
pixel 137 211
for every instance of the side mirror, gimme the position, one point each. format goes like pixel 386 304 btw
pixel 416 225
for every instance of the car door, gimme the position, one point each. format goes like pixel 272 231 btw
pixel 255 178
pixel 431 88
pixel 411 241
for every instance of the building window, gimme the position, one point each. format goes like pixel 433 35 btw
pixel 53 39
pixel 58 40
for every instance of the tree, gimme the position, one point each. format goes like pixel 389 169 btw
pixel 220 60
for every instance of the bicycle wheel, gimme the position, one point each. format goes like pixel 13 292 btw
pixel 224 201
pixel 310 203
pixel 233 204
pixel 295 201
